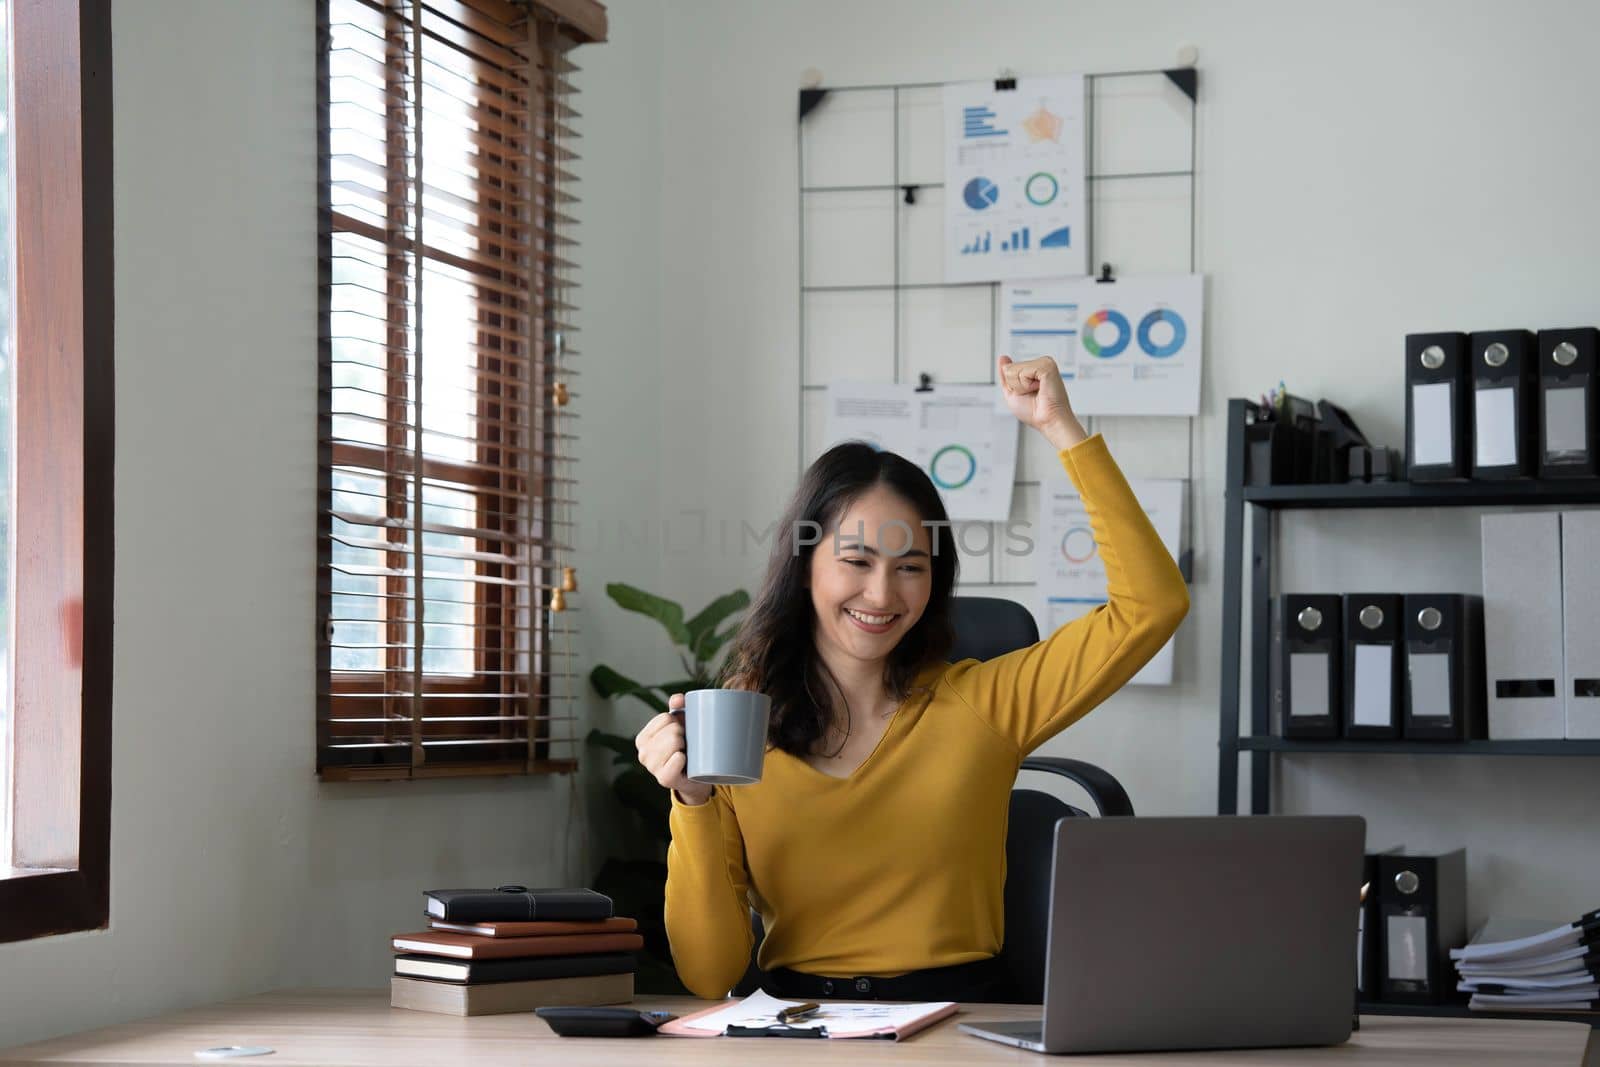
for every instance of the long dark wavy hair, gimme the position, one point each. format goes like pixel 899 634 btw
pixel 774 652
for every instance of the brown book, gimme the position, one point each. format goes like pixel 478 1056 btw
pixel 472 947
pixel 498 998
pixel 537 929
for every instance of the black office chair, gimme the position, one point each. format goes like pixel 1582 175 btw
pixel 987 627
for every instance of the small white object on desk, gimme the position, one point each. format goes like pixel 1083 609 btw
pixel 232 1052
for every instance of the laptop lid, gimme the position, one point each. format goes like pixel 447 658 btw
pixel 1202 932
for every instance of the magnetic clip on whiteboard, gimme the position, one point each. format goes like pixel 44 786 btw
pixel 924 383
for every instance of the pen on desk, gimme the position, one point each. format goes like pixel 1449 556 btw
pixel 796 1012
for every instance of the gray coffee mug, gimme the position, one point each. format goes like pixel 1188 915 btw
pixel 725 731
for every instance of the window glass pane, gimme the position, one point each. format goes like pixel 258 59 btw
pixel 449 596
pixel 7 385
pixel 449 312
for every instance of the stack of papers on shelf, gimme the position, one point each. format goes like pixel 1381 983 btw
pixel 1518 965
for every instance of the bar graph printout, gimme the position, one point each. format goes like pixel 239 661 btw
pixel 1014 188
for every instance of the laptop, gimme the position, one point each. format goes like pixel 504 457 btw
pixel 1198 933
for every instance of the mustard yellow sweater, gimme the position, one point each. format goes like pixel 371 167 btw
pixel 901 866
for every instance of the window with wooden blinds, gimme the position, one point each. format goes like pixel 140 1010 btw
pixel 446 605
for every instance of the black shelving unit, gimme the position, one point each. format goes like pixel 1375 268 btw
pixel 1261 504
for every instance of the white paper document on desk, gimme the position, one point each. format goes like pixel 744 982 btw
pixel 839 1019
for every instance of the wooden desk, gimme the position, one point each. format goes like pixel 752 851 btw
pixel 313 1026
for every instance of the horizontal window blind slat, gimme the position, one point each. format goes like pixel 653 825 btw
pixel 382 459
pixel 440 35
pixel 398 548
pixel 351 342
pixel 487 514
pixel 463 259
pixel 451 697
pixel 498 30
pixel 513 394
pixel 379 646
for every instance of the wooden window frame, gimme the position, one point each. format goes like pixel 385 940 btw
pixel 57 877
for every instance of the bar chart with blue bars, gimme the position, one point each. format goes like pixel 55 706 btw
pixel 979 122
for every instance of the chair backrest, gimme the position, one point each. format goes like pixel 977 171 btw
pixel 988 626
pixel 1030 842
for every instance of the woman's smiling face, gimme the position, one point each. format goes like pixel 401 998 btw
pixel 871 576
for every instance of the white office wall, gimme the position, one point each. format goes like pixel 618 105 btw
pixel 233 869
pixel 1366 169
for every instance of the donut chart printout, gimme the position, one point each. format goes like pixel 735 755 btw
pixel 1013 180
pixel 1069 571
pixel 952 432
pixel 1128 347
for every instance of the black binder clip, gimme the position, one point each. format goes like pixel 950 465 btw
pixel 924 383
pixel 775 1030
pixel 1006 83
pixel 1105 273
pixel 911 193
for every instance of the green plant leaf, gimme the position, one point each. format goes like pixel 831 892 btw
pixel 622 746
pixel 608 683
pixel 711 644
pixel 683 685
pixel 702 625
pixel 668 613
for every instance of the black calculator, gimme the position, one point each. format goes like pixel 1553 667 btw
pixel 603 1022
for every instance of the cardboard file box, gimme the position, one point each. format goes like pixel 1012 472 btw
pixel 1580 601
pixel 1522 625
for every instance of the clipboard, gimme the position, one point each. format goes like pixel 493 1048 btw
pixel 847 1021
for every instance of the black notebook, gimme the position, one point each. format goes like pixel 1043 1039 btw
pixel 475 972
pixel 511 903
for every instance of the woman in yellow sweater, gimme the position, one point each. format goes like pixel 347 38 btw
pixel 874 845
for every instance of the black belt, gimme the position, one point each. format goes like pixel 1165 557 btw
pixel 981 981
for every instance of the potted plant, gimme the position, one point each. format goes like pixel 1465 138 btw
pixel 636 881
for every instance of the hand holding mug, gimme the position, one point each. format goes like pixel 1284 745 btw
pixel 664 753
pixel 709 737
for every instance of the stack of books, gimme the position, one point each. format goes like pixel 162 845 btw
pixel 487 952
pixel 1514 965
